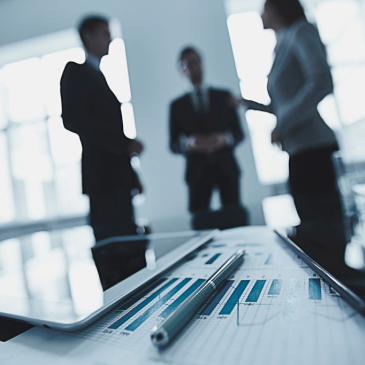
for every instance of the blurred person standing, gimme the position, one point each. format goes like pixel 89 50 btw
pixel 206 129
pixel 90 109
pixel 299 79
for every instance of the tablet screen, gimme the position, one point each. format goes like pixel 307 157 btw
pixel 47 269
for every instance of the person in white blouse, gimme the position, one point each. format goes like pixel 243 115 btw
pixel 299 79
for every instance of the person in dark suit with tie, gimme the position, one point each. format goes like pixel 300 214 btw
pixel 90 109
pixel 205 128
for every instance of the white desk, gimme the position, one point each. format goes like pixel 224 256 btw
pixel 274 310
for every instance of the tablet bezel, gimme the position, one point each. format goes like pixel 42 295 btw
pixel 349 296
pixel 117 293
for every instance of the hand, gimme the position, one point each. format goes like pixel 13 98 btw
pixel 135 147
pixel 235 102
pixel 139 187
pixel 219 140
pixel 206 143
pixel 275 138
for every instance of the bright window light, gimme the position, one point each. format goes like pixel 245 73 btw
pixel 346 49
pixel 7 211
pixel 65 145
pixel 252 46
pixel 3 103
pixel 280 212
pixel 328 110
pixel 340 23
pixel 11 262
pixel 30 161
pixel 23 81
pixel 35 199
pixel 37 154
pixel 70 199
pixel 114 67
pixel 271 162
pixel 129 124
pixel 334 16
pixel 350 94
pixel 253 49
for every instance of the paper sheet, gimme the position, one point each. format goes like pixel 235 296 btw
pixel 273 310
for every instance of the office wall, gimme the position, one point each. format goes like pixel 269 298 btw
pixel 154 32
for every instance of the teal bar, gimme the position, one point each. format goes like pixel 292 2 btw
pixel 234 298
pixel 275 287
pixel 181 298
pixel 256 291
pixel 140 306
pixel 315 292
pixel 151 310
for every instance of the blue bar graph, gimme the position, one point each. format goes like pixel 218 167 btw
pixel 256 291
pixel 181 298
pixel 209 307
pixel 140 306
pixel 127 304
pixel 315 292
pixel 151 310
pixel 212 259
pixel 233 299
pixel 275 287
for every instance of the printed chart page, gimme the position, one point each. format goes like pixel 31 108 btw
pixel 273 310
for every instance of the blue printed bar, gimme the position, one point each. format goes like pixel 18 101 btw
pixel 212 259
pixel 181 298
pixel 315 292
pixel 234 298
pixel 140 306
pixel 136 298
pixel 209 307
pixel 256 291
pixel 275 287
pixel 151 310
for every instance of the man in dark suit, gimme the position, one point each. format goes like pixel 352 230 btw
pixel 90 109
pixel 205 128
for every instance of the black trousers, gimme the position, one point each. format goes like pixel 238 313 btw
pixel 322 233
pixel 312 182
pixel 111 214
pixel 200 191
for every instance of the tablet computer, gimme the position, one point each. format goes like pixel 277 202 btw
pixel 348 295
pixel 63 280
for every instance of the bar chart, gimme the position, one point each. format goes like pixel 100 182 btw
pixel 263 302
pixel 229 296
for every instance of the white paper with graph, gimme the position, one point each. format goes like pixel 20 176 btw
pixel 273 310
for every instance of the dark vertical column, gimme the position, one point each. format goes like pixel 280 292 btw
pixel 233 299
pixel 256 291
pixel 208 309
pixel 315 292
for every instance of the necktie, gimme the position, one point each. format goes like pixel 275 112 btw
pixel 201 106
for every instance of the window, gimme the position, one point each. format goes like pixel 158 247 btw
pixel 340 23
pixel 341 26
pixel 253 50
pixel 40 174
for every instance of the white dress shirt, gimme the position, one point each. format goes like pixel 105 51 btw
pixel 184 140
pixel 93 61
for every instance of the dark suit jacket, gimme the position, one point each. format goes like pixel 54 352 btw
pixel 185 121
pixel 90 109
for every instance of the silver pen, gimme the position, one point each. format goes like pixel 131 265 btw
pixel 163 333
